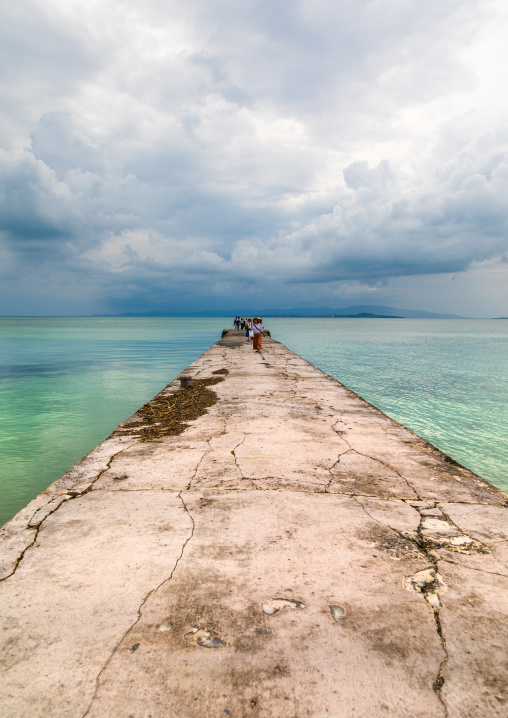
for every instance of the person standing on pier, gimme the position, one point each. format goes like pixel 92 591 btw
pixel 257 328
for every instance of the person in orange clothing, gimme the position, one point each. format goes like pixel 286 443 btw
pixel 257 328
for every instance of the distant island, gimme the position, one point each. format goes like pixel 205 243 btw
pixel 360 311
pixel 361 315
pixel 365 315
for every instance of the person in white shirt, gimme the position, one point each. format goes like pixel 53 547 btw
pixel 257 328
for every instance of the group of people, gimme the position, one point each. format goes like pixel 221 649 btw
pixel 241 322
pixel 253 330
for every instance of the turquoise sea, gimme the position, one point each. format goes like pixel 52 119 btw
pixel 66 383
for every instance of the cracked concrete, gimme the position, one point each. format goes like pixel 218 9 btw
pixel 294 552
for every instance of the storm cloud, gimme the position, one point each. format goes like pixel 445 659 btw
pixel 186 155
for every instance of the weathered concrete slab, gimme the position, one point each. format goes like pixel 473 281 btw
pixel 294 552
pixel 247 550
pixel 78 590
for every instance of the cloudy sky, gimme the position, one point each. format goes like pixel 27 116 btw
pixel 204 154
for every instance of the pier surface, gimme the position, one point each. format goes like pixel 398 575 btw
pixel 293 552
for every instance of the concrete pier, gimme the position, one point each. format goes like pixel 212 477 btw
pixel 261 543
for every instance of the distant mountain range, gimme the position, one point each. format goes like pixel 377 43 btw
pixel 367 311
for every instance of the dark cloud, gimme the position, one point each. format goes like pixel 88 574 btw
pixel 391 226
pixel 33 205
pixel 161 153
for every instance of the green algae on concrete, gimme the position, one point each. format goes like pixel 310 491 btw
pixel 291 552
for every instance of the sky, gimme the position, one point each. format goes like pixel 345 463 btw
pixel 160 155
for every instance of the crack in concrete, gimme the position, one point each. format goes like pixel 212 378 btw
pixel 69 496
pixel 473 568
pixel 22 555
pixel 29 523
pixel 355 499
pixel 257 488
pixel 285 375
pixel 329 469
pixel 379 461
pixel 437 686
pixel 205 453
pixel 348 494
pixel 233 451
pixel 400 534
pixel 448 540
pixel 329 482
pixel 392 468
pixel 440 679
pixel 340 433
pixel 140 609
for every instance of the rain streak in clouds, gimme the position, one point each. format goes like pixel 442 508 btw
pixel 170 155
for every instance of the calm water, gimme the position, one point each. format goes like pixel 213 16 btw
pixel 66 383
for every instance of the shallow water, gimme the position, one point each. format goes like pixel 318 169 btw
pixel 66 383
